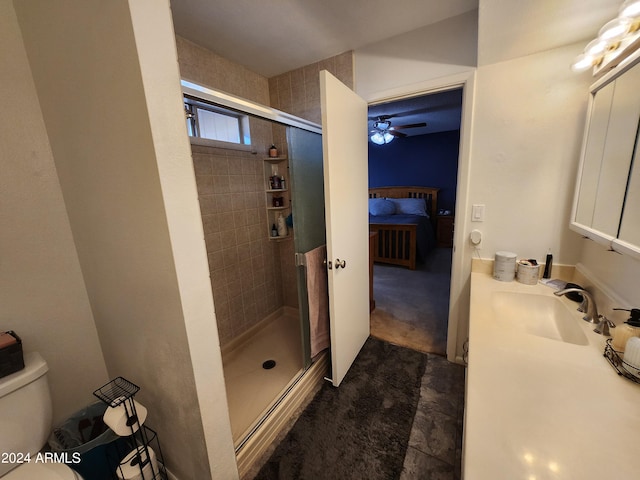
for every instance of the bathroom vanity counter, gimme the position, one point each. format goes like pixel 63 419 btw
pixel 541 408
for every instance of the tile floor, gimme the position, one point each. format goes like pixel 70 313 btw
pixel 435 443
pixel 251 389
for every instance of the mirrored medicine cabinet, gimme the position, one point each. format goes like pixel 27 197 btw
pixel 606 205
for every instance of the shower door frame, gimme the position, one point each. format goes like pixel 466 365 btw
pixel 248 107
pixel 270 114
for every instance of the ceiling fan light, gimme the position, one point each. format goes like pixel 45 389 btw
pixel 381 137
pixel 377 138
pixel 379 125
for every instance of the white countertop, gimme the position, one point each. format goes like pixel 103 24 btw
pixel 540 409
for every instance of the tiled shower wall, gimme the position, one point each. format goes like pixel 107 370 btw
pixel 251 276
pixel 298 91
pixel 245 266
pixel 204 67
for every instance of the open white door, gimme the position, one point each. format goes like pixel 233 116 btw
pixel 346 183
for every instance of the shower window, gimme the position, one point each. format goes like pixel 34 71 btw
pixel 212 122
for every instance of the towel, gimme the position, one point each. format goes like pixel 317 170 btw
pixel 318 297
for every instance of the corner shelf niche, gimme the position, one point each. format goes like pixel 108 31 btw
pixel 276 167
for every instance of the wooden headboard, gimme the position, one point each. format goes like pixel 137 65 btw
pixel 430 194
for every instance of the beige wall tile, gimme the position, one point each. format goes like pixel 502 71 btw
pixel 252 276
pixel 298 91
pixel 206 68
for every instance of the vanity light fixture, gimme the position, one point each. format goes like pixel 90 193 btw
pixel 596 47
pixel 616 33
pixel 630 9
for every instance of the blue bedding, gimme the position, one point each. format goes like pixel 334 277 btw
pixel 425 235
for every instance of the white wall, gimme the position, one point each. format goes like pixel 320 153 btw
pixel 153 29
pixel 620 273
pixel 108 82
pixel 510 30
pixel 42 292
pixel 527 121
pixel 438 50
pixel 535 132
pixel 528 124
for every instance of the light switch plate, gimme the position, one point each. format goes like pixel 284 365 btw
pixel 477 213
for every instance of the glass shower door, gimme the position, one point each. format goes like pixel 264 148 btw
pixel 307 183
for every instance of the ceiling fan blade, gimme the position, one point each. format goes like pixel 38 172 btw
pixel 382 118
pixel 397 134
pixel 411 125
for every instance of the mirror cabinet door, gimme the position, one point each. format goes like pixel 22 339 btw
pixel 618 151
pixel 629 237
pixel 593 155
pixel 608 150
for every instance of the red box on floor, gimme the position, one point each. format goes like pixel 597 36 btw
pixel 11 358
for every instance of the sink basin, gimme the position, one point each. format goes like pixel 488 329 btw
pixel 538 315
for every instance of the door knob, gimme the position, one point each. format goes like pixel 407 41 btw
pixel 341 263
pixel 328 264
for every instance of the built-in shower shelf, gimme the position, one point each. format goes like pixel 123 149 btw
pixel 277 199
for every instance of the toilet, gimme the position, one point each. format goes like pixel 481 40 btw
pixel 26 419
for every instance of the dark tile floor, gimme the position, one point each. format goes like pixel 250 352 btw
pixel 435 444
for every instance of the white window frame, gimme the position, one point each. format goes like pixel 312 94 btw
pixel 195 105
pixel 246 106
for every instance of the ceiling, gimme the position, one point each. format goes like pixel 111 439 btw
pixel 440 111
pixel 271 37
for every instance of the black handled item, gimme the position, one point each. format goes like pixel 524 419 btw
pixel 634 317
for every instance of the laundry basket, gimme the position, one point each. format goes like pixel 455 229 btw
pixel 86 442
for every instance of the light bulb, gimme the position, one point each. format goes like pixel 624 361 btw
pixel 614 30
pixel 582 62
pixel 596 47
pixel 630 9
pixel 377 138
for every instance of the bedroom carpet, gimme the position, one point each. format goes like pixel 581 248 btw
pixel 412 306
pixel 360 429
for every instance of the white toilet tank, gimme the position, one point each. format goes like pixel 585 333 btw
pixel 25 410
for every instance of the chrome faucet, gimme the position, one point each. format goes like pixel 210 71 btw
pixel 588 305
pixel 604 326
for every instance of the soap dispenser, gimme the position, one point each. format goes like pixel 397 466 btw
pixel 630 328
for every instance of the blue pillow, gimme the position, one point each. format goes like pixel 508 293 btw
pixel 410 206
pixel 381 206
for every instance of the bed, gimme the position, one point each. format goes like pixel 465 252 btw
pixel 404 234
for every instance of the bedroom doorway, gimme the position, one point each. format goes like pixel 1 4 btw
pixel 412 305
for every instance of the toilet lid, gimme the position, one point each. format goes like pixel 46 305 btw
pixel 42 471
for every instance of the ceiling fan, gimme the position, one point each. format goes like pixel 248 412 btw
pixel 383 132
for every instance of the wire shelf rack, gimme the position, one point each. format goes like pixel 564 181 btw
pixel 116 391
pixel 143 460
pixel 619 365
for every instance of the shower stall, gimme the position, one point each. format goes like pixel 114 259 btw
pixel 259 291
